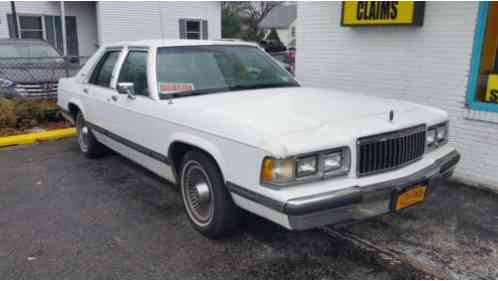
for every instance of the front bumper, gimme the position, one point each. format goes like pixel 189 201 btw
pixel 352 203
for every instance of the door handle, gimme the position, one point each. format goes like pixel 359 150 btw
pixel 85 90
pixel 114 97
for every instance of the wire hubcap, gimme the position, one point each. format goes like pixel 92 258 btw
pixel 83 136
pixel 196 189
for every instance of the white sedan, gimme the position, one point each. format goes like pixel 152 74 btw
pixel 234 130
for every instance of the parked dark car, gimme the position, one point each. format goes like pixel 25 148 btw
pixel 272 46
pixel 32 68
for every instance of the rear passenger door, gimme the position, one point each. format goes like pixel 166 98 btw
pixel 99 91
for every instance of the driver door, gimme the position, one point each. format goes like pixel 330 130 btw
pixel 132 119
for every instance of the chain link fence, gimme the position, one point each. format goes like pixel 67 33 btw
pixel 36 77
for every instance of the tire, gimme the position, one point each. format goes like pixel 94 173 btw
pixel 207 202
pixel 89 145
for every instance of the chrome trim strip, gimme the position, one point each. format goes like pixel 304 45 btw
pixel 255 197
pixel 133 145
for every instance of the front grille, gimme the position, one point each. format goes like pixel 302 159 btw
pixel 37 90
pixel 384 152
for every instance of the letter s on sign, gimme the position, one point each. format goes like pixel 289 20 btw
pixel 394 9
pixel 494 95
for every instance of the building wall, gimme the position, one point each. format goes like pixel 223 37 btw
pixel 284 35
pixel 427 65
pixel 120 21
pixel 84 12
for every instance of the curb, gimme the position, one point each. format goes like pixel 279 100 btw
pixel 35 137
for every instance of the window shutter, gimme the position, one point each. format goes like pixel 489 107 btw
pixel 12 29
pixel 72 36
pixel 204 29
pixel 182 32
pixel 50 31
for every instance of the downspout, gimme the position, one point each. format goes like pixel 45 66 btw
pixel 63 23
pixel 14 19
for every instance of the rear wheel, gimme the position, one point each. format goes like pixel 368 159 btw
pixel 89 145
pixel 208 203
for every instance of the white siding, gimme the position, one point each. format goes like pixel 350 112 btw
pixel 84 12
pixel 427 65
pixel 120 21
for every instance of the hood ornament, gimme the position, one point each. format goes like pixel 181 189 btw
pixel 391 116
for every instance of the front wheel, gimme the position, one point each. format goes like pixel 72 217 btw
pixel 208 203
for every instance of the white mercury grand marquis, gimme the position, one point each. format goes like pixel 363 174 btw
pixel 234 130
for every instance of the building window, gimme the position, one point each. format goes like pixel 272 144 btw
pixel 293 31
pixel 45 27
pixel 31 27
pixel 193 29
pixel 482 92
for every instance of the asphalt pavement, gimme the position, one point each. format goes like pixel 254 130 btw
pixel 63 216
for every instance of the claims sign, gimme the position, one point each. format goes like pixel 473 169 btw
pixel 365 13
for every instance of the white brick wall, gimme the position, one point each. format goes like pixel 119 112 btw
pixel 120 21
pixel 427 65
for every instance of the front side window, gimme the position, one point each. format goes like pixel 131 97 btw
pixel 134 70
pixel 208 69
pixel 193 29
pixel 102 74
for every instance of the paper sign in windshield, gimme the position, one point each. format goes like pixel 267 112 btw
pixel 170 88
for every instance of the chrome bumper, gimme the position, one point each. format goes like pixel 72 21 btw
pixel 353 203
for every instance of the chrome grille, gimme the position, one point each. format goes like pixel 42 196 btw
pixel 384 152
pixel 39 89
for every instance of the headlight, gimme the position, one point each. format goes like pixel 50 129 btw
pixel 437 135
pixel 5 83
pixel 308 167
pixel 441 133
pixel 333 161
pixel 431 137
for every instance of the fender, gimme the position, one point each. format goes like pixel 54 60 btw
pixel 201 143
pixel 76 101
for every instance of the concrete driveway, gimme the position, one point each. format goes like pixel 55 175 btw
pixel 64 216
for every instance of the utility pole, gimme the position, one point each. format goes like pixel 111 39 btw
pixel 14 19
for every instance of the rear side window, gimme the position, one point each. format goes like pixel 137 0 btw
pixel 134 70
pixel 103 72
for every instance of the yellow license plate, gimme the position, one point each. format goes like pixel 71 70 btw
pixel 412 196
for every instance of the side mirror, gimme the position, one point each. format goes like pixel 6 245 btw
pixel 127 88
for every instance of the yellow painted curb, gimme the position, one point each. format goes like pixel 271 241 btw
pixel 34 137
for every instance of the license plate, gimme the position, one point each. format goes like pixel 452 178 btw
pixel 411 196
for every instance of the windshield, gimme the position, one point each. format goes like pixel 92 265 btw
pixel 209 69
pixel 29 53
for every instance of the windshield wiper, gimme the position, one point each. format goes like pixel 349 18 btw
pixel 163 96
pixel 263 86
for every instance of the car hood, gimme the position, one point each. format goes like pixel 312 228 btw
pixel 284 120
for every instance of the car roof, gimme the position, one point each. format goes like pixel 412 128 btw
pixel 12 41
pixel 178 43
